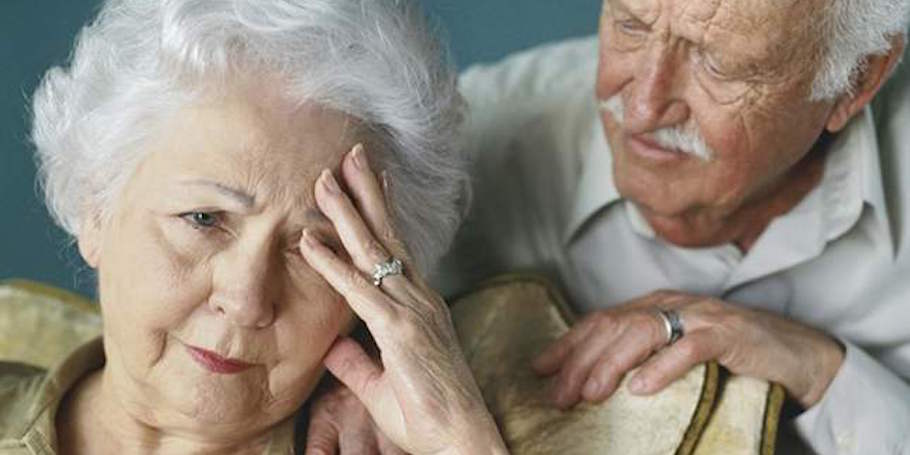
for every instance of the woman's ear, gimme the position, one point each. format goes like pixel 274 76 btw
pixel 89 241
pixel 874 75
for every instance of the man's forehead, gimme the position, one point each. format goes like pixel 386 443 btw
pixel 723 13
pixel 759 29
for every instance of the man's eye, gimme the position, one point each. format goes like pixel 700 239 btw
pixel 632 26
pixel 711 66
pixel 201 220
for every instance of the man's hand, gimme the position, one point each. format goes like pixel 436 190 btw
pixel 340 424
pixel 592 358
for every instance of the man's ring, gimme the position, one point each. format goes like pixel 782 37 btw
pixel 391 266
pixel 673 324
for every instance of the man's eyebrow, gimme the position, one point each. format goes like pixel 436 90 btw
pixel 622 7
pixel 238 195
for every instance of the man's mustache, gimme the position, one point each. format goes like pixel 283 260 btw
pixel 686 139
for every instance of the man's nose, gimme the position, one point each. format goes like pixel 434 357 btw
pixel 656 92
pixel 245 289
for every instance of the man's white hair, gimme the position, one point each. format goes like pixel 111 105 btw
pixel 141 60
pixel 852 31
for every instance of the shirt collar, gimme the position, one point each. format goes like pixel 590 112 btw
pixel 596 189
pixel 852 178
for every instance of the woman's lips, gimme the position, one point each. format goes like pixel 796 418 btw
pixel 216 363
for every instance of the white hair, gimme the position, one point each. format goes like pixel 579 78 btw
pixel 852 31
pixel 141 60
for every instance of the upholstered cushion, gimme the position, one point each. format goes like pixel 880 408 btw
pixel 504 323
pixel 40 324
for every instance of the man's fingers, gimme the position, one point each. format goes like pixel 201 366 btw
pixel 626 353
pixel 322 435
pixel 348 362
pixel 552 358
pixel 641 333
pixel 675 361
pixel 568 383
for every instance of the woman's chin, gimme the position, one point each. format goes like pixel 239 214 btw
pixel 213 402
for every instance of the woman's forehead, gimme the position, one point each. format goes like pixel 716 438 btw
pixel 268 154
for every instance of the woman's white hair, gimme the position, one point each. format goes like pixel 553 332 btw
pixel 853 30
pixel 141 60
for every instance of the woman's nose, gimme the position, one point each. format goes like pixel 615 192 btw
pixel 246 289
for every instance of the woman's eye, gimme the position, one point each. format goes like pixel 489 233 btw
pixel 201 220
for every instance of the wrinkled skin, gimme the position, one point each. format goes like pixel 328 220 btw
pixel 201 251
pixel 740 71
pixel 339 423
pixel 219 241
pixel 727 68
pixel 421 394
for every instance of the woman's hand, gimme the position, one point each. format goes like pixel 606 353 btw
pixel 590 360
pixel 423 395
pixel 340 424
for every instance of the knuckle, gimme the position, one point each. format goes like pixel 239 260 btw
pixel 607 369
pixel 689 349
pixel 603 320
pixel 375 250
pixel 729 319
pixel 354 281
pixel 409 329
pixel 388 233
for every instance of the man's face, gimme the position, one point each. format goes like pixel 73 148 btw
pixel 736 74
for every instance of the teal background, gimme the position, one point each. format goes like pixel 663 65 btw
pixel 37 34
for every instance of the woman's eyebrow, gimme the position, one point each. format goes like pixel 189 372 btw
pixel 241 197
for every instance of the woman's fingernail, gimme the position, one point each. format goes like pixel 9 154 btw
pixel 360 160
pixel 637 385
pixel 592 387
pixel 329 183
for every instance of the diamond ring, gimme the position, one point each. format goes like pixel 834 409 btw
pixel 391 266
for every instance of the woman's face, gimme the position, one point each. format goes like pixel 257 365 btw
pixel 212 318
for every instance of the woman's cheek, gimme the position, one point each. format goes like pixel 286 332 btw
pixel 175 278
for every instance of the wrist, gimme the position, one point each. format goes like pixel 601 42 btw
pixel 480 436
pixel 828 362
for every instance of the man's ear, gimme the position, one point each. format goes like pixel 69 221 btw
pixel 875 73
pixel 89 241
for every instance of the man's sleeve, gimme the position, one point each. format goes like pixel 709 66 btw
pixel 866 410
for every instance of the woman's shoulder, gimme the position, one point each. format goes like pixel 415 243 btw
pixel 20 389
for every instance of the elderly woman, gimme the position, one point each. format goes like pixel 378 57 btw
pixel 214 161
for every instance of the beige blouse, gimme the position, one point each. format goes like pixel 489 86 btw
pixel 30 398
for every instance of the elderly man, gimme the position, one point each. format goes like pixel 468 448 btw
pixel 737 182
pixel 741 173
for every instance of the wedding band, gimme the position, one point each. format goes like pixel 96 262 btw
pixel 673 324
pixel 391 266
